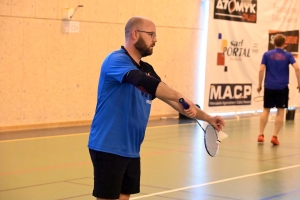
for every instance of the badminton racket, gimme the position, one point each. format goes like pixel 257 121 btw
pixel 212 138
pixel 258 98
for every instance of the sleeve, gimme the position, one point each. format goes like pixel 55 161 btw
pixel 292 59
pixel 117 66
pixel 264 59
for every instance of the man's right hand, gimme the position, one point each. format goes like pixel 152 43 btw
pixel 258 89
pixel 191 111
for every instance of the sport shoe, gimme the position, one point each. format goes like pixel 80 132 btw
pixel 260 138
pixel 274 140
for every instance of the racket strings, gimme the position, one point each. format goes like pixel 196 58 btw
pixel 211 141
pixel 258 98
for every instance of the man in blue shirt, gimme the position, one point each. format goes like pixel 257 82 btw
pixel 126 88
pixel 275 65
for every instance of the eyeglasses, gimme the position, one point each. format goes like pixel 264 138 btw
pixel 152 34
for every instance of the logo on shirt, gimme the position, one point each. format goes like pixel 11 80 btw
pixel 147 96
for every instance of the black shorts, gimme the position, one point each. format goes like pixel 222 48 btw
pixel 114 175
pixel 276 98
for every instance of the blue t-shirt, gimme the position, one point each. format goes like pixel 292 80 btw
pixel 277 68
pixel 122 111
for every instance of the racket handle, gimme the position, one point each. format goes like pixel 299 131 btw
pixel 184 104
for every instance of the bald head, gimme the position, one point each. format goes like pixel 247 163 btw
pixel 137 23
pixel 140 37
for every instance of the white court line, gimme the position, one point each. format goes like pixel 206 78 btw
pixel 43 137
pixel 79 134
pixel 70 135
pixel 214 182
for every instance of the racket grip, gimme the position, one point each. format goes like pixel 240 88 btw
pixel 184 104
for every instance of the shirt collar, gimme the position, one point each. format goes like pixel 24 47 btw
pixel 133 61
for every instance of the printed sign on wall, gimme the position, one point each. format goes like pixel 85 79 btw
pixel 236 10
pixel 233 50
pixel 230 94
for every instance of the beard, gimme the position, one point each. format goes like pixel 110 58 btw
pixel 142 48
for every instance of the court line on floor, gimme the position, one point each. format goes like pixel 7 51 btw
pixel 77 134
pixel 281 195
pixel 43 137
pixel 214 182
pixel 31 170
pixel 43 184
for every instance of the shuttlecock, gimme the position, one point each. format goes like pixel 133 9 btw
pixel 221 136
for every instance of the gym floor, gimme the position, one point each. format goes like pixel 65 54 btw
pixel 54 164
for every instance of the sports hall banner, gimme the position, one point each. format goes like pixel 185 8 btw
pixel 236 10
pixel 239 32
pixel 230 94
